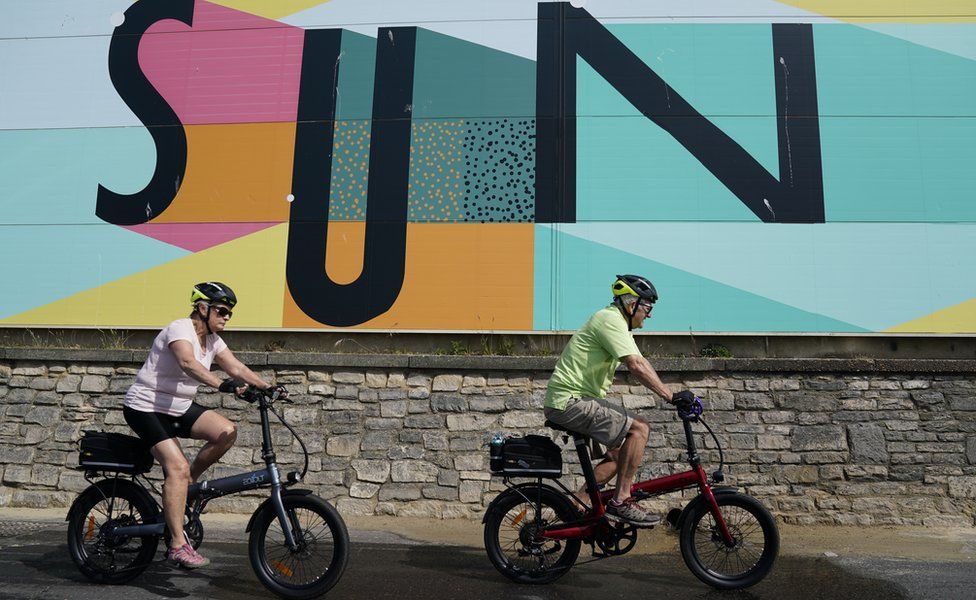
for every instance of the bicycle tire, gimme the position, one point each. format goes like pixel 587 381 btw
pixel 278 568
pixel 745 564
pixel 540 507
pixel 93 550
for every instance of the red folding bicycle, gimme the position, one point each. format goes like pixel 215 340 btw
pixel 534 531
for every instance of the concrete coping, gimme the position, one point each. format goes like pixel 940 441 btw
pixel 511 363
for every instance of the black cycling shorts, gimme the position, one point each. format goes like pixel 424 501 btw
pixel 154 427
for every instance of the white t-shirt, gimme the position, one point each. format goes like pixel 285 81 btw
pixel 161 385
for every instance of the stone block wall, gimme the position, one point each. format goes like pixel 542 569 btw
pixel 840 442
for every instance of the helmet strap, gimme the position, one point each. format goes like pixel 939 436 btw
pixel 629 314
pixel 206 317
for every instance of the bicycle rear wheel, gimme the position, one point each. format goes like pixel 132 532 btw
pixel 323 548
pixel 512 535
pixel 748 560
pixel 99 555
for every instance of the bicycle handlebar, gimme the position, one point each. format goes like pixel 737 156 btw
pixel 253 393
pixel 690 411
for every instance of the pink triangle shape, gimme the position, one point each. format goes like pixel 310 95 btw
pixel 198 236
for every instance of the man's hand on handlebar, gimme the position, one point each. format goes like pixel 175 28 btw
pixel 688 404
pixel 682 399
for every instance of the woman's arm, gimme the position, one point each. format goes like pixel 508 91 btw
pixel 238 370
pixel 183 351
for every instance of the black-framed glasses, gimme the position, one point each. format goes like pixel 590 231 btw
pixel 647 306
pixel 224 312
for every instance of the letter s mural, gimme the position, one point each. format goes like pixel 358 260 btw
pixel 465 166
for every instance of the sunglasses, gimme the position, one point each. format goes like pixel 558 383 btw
pixel 224 311
pixel 646 306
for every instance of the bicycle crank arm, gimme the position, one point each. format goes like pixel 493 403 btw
pixel 138 530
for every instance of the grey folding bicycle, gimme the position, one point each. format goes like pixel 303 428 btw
pixel 298 544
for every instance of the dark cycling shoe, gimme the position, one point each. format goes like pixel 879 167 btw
pixel 630 512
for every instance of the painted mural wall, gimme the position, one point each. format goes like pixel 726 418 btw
pixel 794 166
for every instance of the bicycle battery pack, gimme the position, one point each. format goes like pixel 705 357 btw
pixel 101 451
pixel 529 456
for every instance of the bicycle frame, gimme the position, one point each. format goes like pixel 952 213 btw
pixel 585 528
pixel 205 491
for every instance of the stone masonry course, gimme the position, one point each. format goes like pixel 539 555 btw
pixel 845 443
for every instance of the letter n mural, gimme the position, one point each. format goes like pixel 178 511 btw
pixel 566 32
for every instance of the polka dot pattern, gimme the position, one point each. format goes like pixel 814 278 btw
pixel 350 168
pixel 436 188
pixel 499 170
pixel 477 171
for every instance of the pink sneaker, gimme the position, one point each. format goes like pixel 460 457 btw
pixel 188 558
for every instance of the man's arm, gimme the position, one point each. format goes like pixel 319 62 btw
pixel 238 370
pixel 646 374
pixel 190 365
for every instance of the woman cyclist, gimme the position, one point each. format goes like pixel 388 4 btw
pixel 159 406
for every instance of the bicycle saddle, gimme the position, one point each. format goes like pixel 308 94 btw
pixel 558 427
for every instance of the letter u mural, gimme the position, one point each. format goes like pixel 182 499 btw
pixel 422 166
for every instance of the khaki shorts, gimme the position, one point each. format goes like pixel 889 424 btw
pixel 595 419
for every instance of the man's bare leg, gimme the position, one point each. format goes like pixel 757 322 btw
pixel 630 456
pixel 603 471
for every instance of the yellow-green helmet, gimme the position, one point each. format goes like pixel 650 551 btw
pixel 213 291
pixel 634 285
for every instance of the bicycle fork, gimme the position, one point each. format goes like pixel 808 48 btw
pixel 713 507
pixel 289 526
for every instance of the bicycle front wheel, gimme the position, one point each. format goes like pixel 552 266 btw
pixel 747 560
pixel 316 564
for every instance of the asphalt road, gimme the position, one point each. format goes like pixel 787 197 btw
pixel 34 564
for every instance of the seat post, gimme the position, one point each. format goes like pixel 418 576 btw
pixel 586 464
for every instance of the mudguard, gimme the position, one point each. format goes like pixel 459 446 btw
pixel 284 493
pixel 512 490
pixel 103 488
pixel 699 499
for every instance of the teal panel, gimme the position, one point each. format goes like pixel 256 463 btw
pixel 954 38
pixel 872 275
pixel 688 301
pixel 357 68
pixel 52 175
pixel 628 168
pixel 454 78
pixel 897 127
pixel 865 73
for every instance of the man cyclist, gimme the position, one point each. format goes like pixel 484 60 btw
pixel 159 406
pixel 584 373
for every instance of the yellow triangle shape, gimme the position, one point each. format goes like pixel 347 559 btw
pixel 271 9
pixel 886 11
pixel 959 318
pixel 254 266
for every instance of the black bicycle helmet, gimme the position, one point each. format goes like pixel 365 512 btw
pixel 633 285
pixel 636 286
pixel 213 291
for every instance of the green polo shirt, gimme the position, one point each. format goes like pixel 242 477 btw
pixel 591 357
